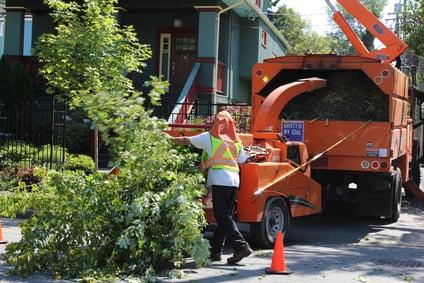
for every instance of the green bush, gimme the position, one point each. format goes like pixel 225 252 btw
pixel 9 178
pixel 14 151
pixel 49 153
pixel 80 162
pixel 31 175
pixel 18 152
pixel 12 177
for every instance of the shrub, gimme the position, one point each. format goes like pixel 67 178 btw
pixel 14 151
pixel 31 175
pixel 13 177
pixel 18 152
pixel 8 178
pixel 79 162
pixel 49 153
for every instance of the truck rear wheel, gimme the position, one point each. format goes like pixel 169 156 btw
pixel 276 218
pixel 397 195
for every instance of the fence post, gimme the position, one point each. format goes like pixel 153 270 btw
pixel 52 135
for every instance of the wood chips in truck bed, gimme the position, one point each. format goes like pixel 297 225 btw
pixel 348 96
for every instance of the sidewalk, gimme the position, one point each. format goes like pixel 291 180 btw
pixel 12 233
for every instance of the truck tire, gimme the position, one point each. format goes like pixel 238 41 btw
pixel 276 218
pixel 397 195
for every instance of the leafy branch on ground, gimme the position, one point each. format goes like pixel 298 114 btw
pixel 150 217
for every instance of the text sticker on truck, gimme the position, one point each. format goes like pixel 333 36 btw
pixel 293 130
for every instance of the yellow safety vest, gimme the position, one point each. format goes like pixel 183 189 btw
pixel 223 155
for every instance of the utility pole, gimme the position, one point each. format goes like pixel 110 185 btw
pixel 398 11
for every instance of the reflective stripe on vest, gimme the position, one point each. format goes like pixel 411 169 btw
pixel 223 156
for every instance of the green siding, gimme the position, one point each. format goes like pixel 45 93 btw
pixel 233 71
pixel 2 4
pixel 206 46
pixel 1 45
pixel 273 46
pixel 14 33
pixel 207 34
pixel 245 90
pixel 249 44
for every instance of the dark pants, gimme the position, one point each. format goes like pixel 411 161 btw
pixel 224 199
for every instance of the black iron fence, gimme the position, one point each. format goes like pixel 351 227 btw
pixel 201 115
pixel 32 134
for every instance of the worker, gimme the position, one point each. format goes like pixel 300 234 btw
pixel 223 151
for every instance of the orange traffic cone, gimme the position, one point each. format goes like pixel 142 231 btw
pixel 278 264
pixel 1 236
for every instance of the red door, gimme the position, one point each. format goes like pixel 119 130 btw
pixel 183 55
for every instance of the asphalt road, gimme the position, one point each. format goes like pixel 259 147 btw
pixel 334 248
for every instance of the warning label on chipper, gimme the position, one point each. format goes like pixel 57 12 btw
pixel 293 130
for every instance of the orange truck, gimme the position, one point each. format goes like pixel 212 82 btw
pixel 370 158
pixel 360 159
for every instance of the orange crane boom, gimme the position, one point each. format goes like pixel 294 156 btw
pixel 394 46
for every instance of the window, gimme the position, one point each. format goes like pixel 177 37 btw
pixel 185 44
pixel 263 40
pixel 258 3
pixel 164 58
pixel 1 27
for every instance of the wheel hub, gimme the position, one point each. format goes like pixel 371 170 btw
pixel 275 221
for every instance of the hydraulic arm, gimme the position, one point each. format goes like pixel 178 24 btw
pixel 394 46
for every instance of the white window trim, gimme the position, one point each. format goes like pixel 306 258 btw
pixel 1 27
pixel 162 37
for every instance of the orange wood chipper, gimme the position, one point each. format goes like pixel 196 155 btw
pixel 360 154
pixel 362 160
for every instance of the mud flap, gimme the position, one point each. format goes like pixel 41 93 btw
pixel 375 196
pixel 412 188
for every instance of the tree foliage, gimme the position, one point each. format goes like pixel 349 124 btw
pixel 150 216
pixel 414 26
pixel 298 32
pixel 339 41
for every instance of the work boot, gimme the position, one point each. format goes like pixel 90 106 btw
pixel 239 255
pixel 215 256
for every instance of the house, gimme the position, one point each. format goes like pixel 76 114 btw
pixel 27 30
pixel 204 48
pixel 2 13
